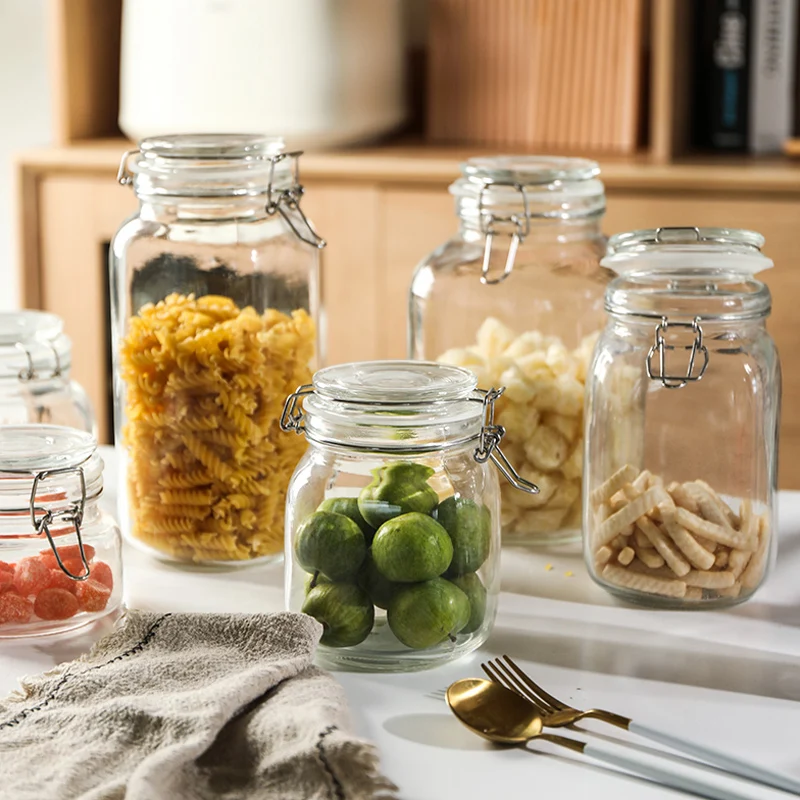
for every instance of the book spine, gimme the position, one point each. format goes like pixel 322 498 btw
pixel 772 76
pixel 723 61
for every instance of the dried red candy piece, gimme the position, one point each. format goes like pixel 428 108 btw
pixel 6 567
pixel 102 573
pixel 6 580
pixel 31 576
pixel 92 595
pixel 74 565
pixel 69 552
pixel 14 608
pixel 60 580
pixel 55 604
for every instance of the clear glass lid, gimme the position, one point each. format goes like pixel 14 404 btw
pixel 688 272
pixel 33 345
pixel 539 186
pixel 212 164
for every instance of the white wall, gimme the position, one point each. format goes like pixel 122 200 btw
pixel 25 119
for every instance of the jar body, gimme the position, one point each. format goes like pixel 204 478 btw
pixel 532 333
pixel 704 455
pixel 215 303
pixel 384 607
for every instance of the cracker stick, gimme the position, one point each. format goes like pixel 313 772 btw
pixel 666 549
pixel 682 498
pixel 687 544
pixel 716 533
pixel 620 520
pixel 707 544
pixel 737 561
pixel 649 557
pixel 642 483
pixel 721 559
pixel 665 573
pixel 709 580
pixel 643 583
pixel 754 571
pixel 730 514
pixel 693 593
pixel 618 501
pixel 730 591
pixel 749 524
pixel 710 509
pixel 655 480
pixel 626 556
pixel 606 490
pixel 602 556
pixel 642 542
pixel 619 542
pixel 631 492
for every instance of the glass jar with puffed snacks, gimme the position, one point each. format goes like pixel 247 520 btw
pixel 215 304
pixel 60 564
pixel 516 296
pixel 683 404
pixel 35 365
pixel 393 514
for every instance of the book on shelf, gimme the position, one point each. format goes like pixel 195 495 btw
pixel 772 76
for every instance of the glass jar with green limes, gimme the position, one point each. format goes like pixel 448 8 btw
pixel 393 514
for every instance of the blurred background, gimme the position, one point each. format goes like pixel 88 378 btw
pixel 691 109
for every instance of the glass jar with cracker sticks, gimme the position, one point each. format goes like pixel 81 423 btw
pixel 215 305
pixel 393 514
pixel 683 407
pixel 516 296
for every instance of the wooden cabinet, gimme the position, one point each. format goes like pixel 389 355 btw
pixel 381 211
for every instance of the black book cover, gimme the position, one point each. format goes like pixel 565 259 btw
pixel 722 73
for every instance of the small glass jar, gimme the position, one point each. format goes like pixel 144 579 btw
pixel 393 514
pixel 215 305
pixel 683 406
pixel 60 564
pixel 35 362
pixel 516 296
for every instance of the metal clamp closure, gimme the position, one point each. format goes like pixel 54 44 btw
pixel 124 175
pixel 287 201
pixel 489 444
pixel 73 514
pixel 29 373
pixel 488 221
pixel 660 346
pixel 292 415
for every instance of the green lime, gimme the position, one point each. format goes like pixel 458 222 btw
pixel 475 591
pixel 380 589
pixel 425 614
pixel 396 489
pixel 412 547
pixel 349 507
pixel 470 528
pixel 330 543
pixel 344 610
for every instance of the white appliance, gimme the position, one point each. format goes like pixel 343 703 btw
pixel 317 72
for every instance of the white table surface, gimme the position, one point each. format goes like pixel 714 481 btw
pixel 731 678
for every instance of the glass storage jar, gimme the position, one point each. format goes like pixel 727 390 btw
pixel 683 405
pixel 215 302
pixel 60 564
pixel 35 363
pixel 392 518
pixel 516 296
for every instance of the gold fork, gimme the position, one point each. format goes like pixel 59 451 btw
pixel 556 714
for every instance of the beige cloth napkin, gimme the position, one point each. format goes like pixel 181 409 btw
pixel 188 707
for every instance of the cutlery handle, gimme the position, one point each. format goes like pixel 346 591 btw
pixel 672 776
pixel 733 764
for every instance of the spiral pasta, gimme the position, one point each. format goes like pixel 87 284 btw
pixel 208 466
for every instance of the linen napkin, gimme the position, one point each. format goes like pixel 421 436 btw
pixel 188 707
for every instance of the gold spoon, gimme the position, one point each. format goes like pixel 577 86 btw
pixel 504 717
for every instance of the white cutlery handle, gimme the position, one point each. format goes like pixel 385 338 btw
pixel 733 764
pixel 672 776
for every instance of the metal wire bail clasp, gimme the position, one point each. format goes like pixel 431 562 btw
pixel 522 227
pixel 489 443
pixel 287 201
pixel 660 346
pixel 292 416
pixel 73 514
pixel 124 175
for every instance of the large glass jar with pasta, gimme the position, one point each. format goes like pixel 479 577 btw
pixel 516 296
pixel 215 302
pixel 35 365
pixel 683 407
pixel 393 514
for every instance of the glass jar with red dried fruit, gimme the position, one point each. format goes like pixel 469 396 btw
pixel 60 554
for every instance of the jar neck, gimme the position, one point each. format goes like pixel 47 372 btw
pixel 540 230
pixel 250 208
pixel 642 325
